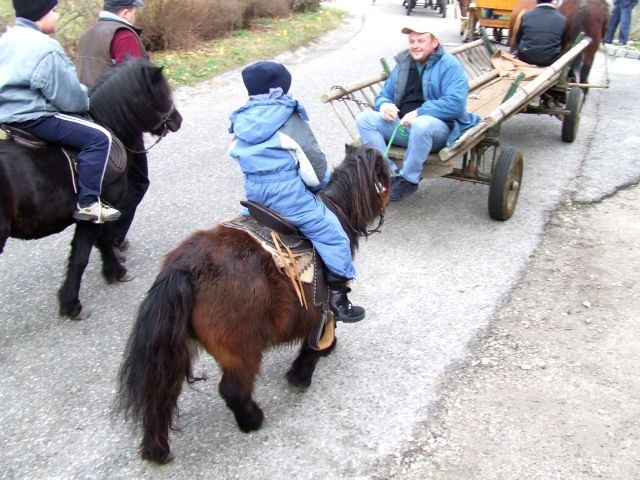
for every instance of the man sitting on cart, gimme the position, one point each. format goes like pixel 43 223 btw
pixel 540 36
pixel 426 93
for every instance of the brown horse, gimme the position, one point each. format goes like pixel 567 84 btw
pixel 583 16
pixel 220 290
pixel 464 13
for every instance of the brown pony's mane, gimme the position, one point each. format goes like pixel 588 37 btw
pixel 355 192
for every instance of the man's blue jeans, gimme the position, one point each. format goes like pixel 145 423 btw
pixel 427 134
pixel 620 14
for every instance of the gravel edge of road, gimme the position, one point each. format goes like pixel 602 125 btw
pixel 529 405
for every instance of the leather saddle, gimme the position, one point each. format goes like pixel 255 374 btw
pixel 270 218
pixel 117 156
pixel 260 224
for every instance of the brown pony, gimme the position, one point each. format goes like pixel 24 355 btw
pixel 583 16
pixel 220 290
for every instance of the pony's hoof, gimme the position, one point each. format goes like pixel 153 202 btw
pixel 299 382
pixel 249 421
pixel 83 314
pixel 158 458
pixel 127 277
pixel 167 459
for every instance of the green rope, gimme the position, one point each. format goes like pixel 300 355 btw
pixel 403 133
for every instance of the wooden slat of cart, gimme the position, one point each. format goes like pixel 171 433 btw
pixel 487 97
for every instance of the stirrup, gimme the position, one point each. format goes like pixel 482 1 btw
pixel 322 337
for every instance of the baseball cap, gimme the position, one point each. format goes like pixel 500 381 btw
pixel 417 27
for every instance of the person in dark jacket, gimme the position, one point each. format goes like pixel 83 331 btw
pixel 109 42
pixel 426 93
pixel 282 166
pixel 40 93
pixel 540 37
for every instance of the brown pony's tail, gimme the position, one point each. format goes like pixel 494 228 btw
pixel 157 359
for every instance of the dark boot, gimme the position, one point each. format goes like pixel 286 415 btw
pixel 343 310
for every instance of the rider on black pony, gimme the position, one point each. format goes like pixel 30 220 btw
pixel 41 94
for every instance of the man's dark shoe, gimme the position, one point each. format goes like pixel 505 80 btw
pixel 401 189
pixel 119 250
pixel 343 310
pixel 123 245
pixel 393 180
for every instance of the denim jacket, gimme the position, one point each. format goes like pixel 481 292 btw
pixel 37 79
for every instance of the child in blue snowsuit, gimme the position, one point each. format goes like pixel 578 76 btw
pixel 282 165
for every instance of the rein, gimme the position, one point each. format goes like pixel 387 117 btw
pixel 403 133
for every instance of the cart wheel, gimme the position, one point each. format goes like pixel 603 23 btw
pixel 505 184
pixel 443 8
pixel 571 121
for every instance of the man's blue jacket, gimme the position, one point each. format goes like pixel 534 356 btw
pixel 444 85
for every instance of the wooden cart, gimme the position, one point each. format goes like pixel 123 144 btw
pixel 492 14
pixel 438 6
pixel 478 156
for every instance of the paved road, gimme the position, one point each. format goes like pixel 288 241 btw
pixel 431 283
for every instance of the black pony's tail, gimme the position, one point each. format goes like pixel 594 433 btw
pixel 157 360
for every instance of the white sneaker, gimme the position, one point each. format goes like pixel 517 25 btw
pixel 97 213
pixel 108 213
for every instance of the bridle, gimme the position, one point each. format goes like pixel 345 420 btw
pixel 164 120
pixel 380 189
pixel 162 125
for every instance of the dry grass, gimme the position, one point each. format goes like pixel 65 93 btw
pixel 264 38
pixel 170 25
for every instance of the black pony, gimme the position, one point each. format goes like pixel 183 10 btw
pixel 37 196
pixel 220 290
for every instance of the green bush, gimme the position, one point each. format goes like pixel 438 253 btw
pixel 304 5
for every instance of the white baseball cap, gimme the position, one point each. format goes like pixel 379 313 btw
pixel 417 27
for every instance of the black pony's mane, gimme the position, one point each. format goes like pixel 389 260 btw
pixel 123 98
pixel 358 191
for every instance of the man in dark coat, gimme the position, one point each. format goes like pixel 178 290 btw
pixel 541 35
pixel 109 42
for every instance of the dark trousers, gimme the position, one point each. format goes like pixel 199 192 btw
pixel 92 141
pixel 137 185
